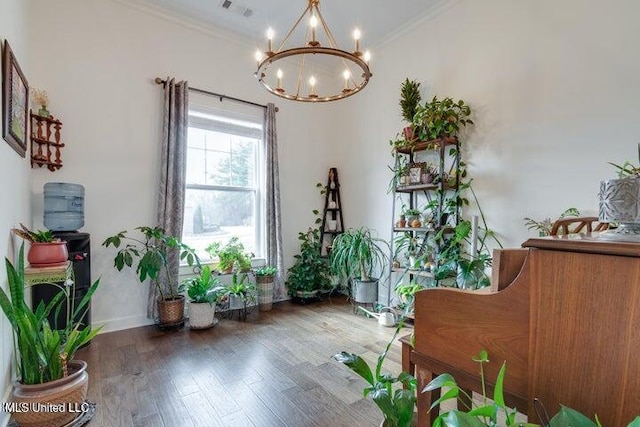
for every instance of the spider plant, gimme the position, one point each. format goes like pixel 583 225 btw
pixel 357 254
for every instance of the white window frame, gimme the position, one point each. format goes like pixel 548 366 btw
pixel 209 119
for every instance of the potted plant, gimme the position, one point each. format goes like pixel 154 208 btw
pixel 45 249
pixel 490 413
pixel 394 395
pixel 264 279
pixel 413 216
pixel 409 101
pixel 406 293
pixel 44 357
pixel 150 254
pixel 310 272
pixel 355 257
pixel 231 256
pixel 441 118
pixel 242 294
pixel 544 227
pixel 619 200
pixel 204 292
pixel 413 251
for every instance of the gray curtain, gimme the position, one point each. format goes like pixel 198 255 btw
pixel 172 176
pixel 274 220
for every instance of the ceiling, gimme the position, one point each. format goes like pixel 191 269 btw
pixel 376 19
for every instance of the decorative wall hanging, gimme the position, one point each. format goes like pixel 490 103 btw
pixel 45 141
pixel 15 106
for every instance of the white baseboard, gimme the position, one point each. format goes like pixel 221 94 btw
pixel 4 416
pixel 121 323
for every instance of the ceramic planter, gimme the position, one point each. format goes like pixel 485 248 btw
pixel 47 254
pixel 620 202
pixel 201 315
pixel 66 393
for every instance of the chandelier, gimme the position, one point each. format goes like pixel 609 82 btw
pixel 312 72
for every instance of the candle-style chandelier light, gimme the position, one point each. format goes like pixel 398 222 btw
pixel 313 72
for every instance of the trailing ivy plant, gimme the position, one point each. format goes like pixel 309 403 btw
pixel 440 118
pixel 453 259
pixel 310 272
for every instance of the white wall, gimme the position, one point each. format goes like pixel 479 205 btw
pixel 554 86
pixel 14 176
pixel 98 60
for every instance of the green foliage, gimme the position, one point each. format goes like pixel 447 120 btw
pixel 544 227
pixel 267 270
pixel 245 291
pixel 628 169
pixel 396 403
pixel 40 236
pixel 357 254
pixel 150 254
pixel 409 98
pixel 204 288
pixel 453 258
pixel 41 352
pixel 440 118
pixel 240 287
pixel 310 271
pixel 232 255
pixel 487 414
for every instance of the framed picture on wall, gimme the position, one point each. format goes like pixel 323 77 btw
pixel 15 102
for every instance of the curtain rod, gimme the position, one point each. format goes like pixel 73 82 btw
pixel 162 82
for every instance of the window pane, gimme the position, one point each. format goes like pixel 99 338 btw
pixel 215 216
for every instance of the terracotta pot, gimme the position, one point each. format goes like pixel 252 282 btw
pixel 47 254
pixel 408 133
pixel 171 311
pixel 66 394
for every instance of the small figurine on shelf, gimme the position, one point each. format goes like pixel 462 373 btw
pixel 41 98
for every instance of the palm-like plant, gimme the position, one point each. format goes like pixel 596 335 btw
pixel 357 254
pixel 41 353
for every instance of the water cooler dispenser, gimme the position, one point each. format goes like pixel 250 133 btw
pixel 63 214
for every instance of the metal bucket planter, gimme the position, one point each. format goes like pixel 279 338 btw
pixel 65 394
pixel 620 202
pixel 364 291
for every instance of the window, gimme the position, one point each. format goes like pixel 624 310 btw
pixel 225 180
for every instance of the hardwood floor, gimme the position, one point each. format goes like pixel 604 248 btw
pixel 275 369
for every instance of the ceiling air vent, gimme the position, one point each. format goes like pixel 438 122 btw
pixel 236 9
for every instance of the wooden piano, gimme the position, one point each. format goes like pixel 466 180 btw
pixel 564 314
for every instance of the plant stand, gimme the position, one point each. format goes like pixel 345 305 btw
pixel 363 293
